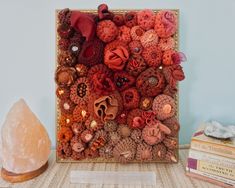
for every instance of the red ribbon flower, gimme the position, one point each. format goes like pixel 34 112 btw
pixel 83 23
pixel 116 58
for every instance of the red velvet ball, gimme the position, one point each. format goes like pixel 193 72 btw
pixel 91 53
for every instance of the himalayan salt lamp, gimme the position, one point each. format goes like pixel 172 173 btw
pixel 25 144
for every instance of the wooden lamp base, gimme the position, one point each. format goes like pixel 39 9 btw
pixel 14 178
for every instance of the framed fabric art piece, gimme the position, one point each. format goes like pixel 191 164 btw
pixel 117 75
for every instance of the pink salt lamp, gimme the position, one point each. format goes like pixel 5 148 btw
pixel 25 144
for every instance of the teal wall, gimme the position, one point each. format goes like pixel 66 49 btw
pixel 207 28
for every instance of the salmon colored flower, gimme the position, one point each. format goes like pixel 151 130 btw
pixel 116 58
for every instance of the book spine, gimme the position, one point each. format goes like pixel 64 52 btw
pixel 211 176
pixel 216 159
pixel 212 168
pixel 213 148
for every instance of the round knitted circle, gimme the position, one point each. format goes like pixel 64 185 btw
pixel 125 150
pixel 62 93
pixel 146 19
pixel 67 106
pixel 164 106
pixel 130 19
pixel 153 56
pixel 136 32
pixel 124 131
pixel 151 82
pixel 124 34
pixel 136 47
pixel 91 53
pixel 149 38
pixel 167 57
pixel 146 103
pixel 65 134
pixel 80 91
pixel 167 43
pixel 118 19
pixel 173 124
pixel 81 113
pixel 166 23
pixel 134 116
pixel 159 151
pixel 65 76
pixel 114 138
pixel 106 30
pixel 136 135
pixel 106 151
pixel 130 98
pixel 136 65
pixel 144 152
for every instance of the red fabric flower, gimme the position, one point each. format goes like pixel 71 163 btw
pixel 116 58
pixel 83 23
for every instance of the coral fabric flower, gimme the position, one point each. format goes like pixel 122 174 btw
pixel 116 58
pixel 83 23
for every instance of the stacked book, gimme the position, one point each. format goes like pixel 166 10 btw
pixel 211 159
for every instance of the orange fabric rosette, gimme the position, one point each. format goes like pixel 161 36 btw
pixel 116 58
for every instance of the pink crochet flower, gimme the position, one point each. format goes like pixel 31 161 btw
pixel 149 38
pixel 166 23
pixel 136 32
pixel 124 34
pixel 167 43
pixel 107 31
pixel 146 19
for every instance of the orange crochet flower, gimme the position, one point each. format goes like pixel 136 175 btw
pixel 65 134
pixel 116 58
pixel 66 120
